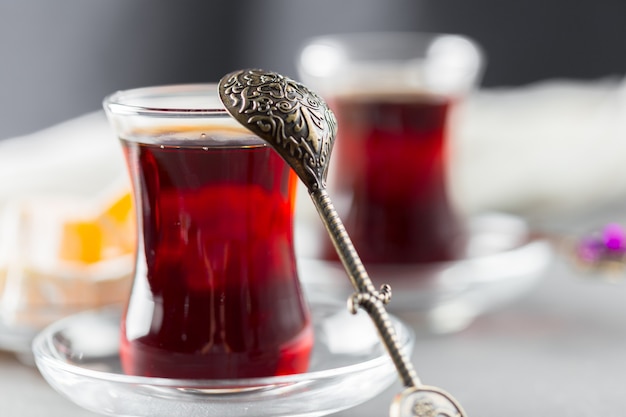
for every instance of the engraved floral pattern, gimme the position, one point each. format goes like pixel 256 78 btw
pixel 426 408
pixel 295 121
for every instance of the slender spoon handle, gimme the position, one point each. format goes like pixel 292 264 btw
pixel 366 296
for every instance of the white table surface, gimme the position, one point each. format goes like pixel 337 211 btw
pixel 558 351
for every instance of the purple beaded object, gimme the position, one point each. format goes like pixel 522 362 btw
pixel 604 251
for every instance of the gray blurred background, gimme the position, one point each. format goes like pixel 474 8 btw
pixel 59 58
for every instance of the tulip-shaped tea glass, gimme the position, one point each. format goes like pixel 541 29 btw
pixel 399 98
pixel 216 292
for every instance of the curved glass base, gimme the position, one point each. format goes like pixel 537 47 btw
pixel 78 356
pixel 503 262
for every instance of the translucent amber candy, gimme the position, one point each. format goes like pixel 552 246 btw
pixel 59 256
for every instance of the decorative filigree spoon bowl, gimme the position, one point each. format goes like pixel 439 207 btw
pixel 299 125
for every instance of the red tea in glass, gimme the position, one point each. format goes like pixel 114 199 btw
pixel 392 93
pixel 216 292
pixel 391 162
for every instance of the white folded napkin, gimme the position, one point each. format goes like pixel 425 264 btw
pixel 554 146
pixel 78 158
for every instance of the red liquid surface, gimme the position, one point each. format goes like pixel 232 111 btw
pixel 391 158
pixel 216 292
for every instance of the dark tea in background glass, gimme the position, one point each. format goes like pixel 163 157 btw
pixel 392 160
pixel 394 95
pixel 216 292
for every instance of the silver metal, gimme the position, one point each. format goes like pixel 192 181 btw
pixel 298 124
pixel 425 401
pixel 290 117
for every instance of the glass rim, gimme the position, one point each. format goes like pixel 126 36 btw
pixel 438 62
pixel 126 102
pixel 347 37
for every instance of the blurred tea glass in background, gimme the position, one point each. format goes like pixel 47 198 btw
pixel 397 97
pixel 393 95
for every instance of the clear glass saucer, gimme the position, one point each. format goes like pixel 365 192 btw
pixel 18 338
pixel 78 356
pixel 503 262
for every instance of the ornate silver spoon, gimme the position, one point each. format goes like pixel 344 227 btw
pixel 298 124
